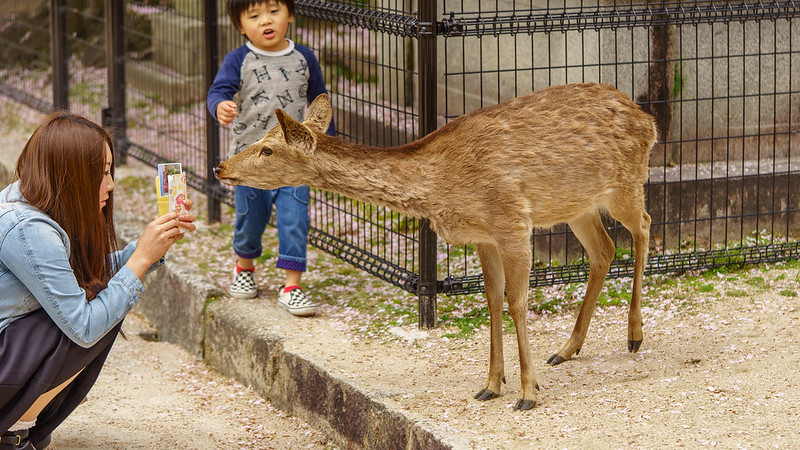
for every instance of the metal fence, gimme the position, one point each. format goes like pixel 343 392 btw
pixel 719 77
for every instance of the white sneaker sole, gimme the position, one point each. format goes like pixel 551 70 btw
pixel 302 312
pixel 243 294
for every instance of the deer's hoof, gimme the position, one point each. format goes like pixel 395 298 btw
pixel 633 346
pixel 524 405
pixel 555 360
pixel 486 394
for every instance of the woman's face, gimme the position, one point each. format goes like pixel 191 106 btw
pixel 107 185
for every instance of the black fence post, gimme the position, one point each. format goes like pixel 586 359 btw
pixel 114 118
pixel 212 127
pixel 426 60
pixel 58 53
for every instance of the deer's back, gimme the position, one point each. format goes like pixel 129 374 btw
pixel 552 152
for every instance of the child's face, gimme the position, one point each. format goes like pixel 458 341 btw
pixel 265 25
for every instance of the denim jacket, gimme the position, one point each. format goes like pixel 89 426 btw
pixel 35 273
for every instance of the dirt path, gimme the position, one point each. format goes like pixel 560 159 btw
pixel 155 395
pixel 722 371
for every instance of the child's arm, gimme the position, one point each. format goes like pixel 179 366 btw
pixel 225 86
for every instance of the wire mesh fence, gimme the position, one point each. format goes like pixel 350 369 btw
pixel 719 77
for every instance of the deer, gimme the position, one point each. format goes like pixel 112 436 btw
pixel 561 154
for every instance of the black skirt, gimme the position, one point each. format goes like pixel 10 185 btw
pixel 35 357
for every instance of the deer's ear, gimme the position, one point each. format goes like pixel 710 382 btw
pixel 296 134
pixel 319 113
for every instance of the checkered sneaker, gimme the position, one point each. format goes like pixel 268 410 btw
pixel 244 284
pixel 296 302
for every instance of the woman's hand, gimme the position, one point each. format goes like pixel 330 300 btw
pixel 158 237
pixel 187 220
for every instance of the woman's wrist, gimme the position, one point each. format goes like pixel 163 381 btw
pixel 138 265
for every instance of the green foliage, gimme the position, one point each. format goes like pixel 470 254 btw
pixel 614 297
pixel 623 253
pixel 678 81
pixel 706 288
pixel 757 282
pixel 466 324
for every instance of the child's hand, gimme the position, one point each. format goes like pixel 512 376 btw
pixel 226 112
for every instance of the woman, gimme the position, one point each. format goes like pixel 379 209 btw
pixel 64 286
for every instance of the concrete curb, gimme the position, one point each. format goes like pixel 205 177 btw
pixel 188 310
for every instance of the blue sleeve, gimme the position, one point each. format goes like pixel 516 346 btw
pixel 226 83
pixel 316 83
pixel 39 258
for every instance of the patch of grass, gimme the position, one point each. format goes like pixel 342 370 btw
pixel 706 288
pixel 468 323
pixel 678 81
pixel 788 293
pixel 685 306
pixel 738 293
pixel 623 253
pixel 757 282
pixel 614 297
pixel 540 303
pixel 266 255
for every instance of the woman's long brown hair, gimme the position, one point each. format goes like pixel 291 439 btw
pixel 60 171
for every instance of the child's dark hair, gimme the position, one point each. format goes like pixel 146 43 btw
pixel 237 7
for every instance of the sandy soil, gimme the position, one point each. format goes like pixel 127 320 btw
pixel 155 395
pixel 724 372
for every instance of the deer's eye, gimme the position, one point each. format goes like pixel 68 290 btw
pixel 266 151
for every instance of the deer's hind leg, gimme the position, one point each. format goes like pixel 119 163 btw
pixel 629 210
pixel 598 245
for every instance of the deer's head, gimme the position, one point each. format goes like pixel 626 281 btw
pixel 281 157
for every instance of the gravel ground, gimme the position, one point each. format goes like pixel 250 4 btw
pixel 155 395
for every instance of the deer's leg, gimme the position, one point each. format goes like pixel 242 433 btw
pixel 516 257
pixel 494 283
pixel 631 215
pixel 598 245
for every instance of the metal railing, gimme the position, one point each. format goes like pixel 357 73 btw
pixel 719 77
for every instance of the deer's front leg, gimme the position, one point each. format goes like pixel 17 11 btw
pixel 517 264
pixel 493 280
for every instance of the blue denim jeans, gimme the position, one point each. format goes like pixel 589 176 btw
pixel 253 210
